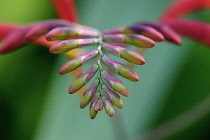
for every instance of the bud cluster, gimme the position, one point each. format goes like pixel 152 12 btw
pixel 105 89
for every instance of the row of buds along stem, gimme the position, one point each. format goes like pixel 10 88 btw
pixel 66 36
pixel 103 92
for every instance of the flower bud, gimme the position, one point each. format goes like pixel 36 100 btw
pixel 127 73
pixel 133 39
pixel 77 62
pixel 132 57
pixel 82 79
pixel 62 33
pixel 89 94
pixel 146 31
pixel 120 69
pixel 114 97
pixel 137 29
pixel 93 112
pixel 129 56
pixel 114 83
pixel 169 34
pixel 42 28
pixel 67 45
pixel 108 106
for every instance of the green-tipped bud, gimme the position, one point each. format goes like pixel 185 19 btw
pixel 62 33
pixel 67 45
pixel 85 101
pixel 120 69
pixel 120 88
pixel 114 83
pixel 133 39
pixel 89 94
pixel 77 62
pixel 132 57
pixel 114 97
pixel 83 79
pixel 127 73
pixel 93 112
pixel 129 56
pixel 108 106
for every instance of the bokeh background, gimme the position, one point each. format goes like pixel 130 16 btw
pixel 170 102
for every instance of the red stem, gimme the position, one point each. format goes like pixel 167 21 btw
pixel 66 9
pixel 183 7
pixel 194 29
pixel 6 29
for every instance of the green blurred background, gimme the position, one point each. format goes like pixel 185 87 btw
pixel 170 102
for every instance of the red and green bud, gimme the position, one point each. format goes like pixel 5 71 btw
pixel 108 106
pixel 77 62
pixel 62 33
pixel 67 45
pixel 114 83
pixel 130 56
pixel 137 29
pixel 127 73
pixel 93 112
pixel 120 69
pixel 114 97
pixel 147 31
pixel 89 94
pixel 83 79
pixel 133 39
pixel 169 34
pixel 42 28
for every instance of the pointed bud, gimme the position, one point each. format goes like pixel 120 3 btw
pixel 129 56
pixel 83 79
pixel 120 69
pixel 132 57
pixel 114 97
pixel 114 83
pixel 108 106
pixel 140 29
pixel 93 113
pixel 146 31
pixel 169 34
pixel 89 94
pixel 77 62
pixel 136 40
pixel 127 73
pixel 62 33
pixel 67 45
pixel 42 28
